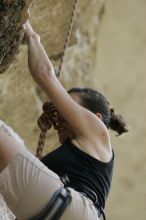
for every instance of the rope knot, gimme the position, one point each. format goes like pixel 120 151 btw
pixel 44 121
pixel 49 117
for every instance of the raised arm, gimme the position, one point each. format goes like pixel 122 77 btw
pixel 83 122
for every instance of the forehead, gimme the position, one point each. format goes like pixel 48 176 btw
pixel 76 97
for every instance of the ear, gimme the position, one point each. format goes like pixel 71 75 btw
pixel 99 115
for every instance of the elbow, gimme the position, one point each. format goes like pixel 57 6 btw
pixel 43 74
pixel 44 70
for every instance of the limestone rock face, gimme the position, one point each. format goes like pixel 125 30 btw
pixel 13 13
pixel 20 98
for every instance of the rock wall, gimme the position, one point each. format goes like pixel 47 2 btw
pixel 20 99
pixel 13 13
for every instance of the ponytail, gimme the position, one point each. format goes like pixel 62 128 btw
pixel 117 123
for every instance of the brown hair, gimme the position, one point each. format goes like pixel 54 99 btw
pixel 97 102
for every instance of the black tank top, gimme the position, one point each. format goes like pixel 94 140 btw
pixel 83 170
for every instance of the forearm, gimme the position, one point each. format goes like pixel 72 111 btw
pixel 38 60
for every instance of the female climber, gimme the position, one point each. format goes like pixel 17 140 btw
pixel 85 156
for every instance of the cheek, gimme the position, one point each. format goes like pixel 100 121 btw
pixel 76 97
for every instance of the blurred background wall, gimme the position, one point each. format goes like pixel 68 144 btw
pixel 121 70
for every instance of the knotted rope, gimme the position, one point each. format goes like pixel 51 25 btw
pixel 49 116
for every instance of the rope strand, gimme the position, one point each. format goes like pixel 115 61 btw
pixel 68 34
pixel 41 143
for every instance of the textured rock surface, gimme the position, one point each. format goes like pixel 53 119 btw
pixel 13 13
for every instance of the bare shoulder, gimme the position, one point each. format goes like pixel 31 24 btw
pixel 98 146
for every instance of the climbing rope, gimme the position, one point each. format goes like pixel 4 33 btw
pixel 68 34
pixel 48 117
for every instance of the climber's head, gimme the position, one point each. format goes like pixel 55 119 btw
pixel 98 104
